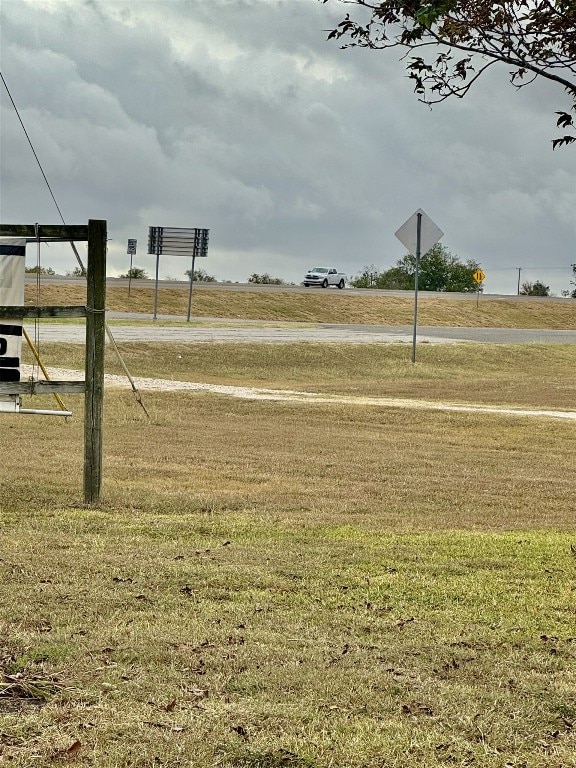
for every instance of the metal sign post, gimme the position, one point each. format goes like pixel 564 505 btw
pixel 418 246
pixel 418 233
pixel 190 291
pixel 158 251
pixel 479 278
pixel 132 252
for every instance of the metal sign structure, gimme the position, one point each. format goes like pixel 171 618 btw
pixel 12 270
pixel 177 241
pixel 418 233
pixel 479 277
pixel 430 233
pixel 131 251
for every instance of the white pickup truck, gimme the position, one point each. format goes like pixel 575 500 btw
pixel 323 277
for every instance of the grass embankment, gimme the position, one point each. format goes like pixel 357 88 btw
pixel 313 586
pixel 326 307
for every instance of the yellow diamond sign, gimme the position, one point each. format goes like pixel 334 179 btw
pixel 479 276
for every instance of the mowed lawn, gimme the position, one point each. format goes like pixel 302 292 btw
pixel 293 584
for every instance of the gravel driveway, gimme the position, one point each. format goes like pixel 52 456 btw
pixel 257 393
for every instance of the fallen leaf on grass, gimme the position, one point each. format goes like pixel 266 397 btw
pixel 416 709
pixel 200 693
pixel 70 753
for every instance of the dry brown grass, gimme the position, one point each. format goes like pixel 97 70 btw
pixel 388 468
pixel 326 307
pixel 393 462
pixel 277 584
pixel 527 375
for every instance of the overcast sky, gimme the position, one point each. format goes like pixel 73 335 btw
pixel 239 116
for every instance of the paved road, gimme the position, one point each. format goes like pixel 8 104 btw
pixel 486 335
pixel 234 331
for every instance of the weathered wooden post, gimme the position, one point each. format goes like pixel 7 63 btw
pixel 95 314
pixel 95 348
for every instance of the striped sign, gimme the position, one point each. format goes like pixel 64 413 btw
pixel 479 276
pixel 12 260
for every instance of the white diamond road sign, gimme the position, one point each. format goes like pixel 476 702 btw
pixel 430 233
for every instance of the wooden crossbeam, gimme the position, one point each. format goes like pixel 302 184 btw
pixel 34 311
pixel 42 387
pixel 52 232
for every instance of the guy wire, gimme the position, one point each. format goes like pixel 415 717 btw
pixel 82 267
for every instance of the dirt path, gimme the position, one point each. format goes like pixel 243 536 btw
pixel 258 393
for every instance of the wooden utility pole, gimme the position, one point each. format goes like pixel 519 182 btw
pixel 95 347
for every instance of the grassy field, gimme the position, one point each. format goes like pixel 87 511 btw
pixel 530 375
pixel 331 306
pixel 284 584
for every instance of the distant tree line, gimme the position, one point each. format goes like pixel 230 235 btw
pixel 265 279
pixel 135 273
pixel 39 270
pixel 76 272
pixel 200 276
pixel 537 289
pixel 439 270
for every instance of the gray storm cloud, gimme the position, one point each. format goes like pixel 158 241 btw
pixel 241 117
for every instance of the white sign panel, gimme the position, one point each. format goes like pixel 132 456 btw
pixel 12 261
pixel 430 233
